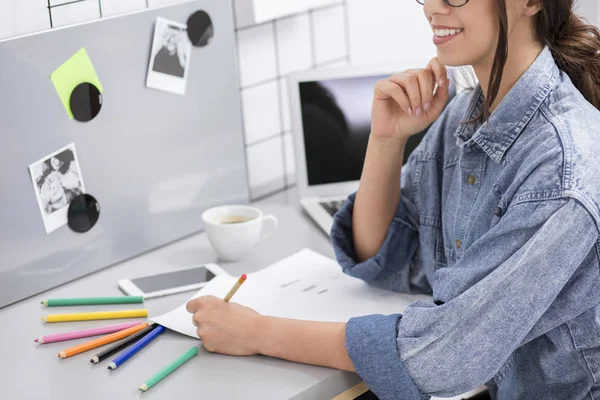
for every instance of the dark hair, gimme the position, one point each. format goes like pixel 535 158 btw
pixel 66 157
pixel 575 46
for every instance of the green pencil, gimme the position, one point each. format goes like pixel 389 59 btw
pixel 89 301
pixel 163 373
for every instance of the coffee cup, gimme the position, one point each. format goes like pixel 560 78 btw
pixel 234 230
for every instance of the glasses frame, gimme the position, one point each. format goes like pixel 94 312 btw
pixel 422 2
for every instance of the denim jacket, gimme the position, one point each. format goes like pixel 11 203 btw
pixel 499 224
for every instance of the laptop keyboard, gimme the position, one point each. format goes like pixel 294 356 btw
pixel 332 206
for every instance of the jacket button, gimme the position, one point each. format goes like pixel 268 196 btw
pixel 499 211
pixel 471 179
pixel 457 244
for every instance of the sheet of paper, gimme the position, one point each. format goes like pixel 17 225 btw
pixel 75 70
pixel 305 286
pixel 310 272
pixel 263 298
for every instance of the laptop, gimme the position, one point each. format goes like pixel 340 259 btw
pixel 331 121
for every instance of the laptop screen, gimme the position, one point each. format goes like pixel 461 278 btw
pixel 336 119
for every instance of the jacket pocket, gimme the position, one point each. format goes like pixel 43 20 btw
pixel 432 241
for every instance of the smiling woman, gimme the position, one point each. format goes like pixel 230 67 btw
pixel 495 215
pixel 573 43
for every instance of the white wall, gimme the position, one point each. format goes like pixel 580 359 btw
pixel 267 53
pixel 388 31
pixel 347 31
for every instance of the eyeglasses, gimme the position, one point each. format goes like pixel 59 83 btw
pixel 451 3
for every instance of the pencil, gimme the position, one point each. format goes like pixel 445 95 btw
pixel 140 344
pixel 59 337
pixel 95 315
pixel 163 373
pixel 104 354
pixel 113 337
pixel 235 287
pixel 88 301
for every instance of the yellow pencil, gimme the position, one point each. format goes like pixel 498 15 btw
pixel 89 316
pixel 235 288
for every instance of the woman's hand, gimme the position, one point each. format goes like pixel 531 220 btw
pixel 233 329
pixel 225 327
pixel 405 104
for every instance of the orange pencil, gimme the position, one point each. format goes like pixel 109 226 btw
pixel 113 337
pixel 235 287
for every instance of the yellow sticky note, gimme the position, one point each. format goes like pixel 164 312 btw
pixel 77 69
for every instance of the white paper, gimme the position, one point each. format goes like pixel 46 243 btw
pixel 305 286
pixel 264 298
pixel 309 272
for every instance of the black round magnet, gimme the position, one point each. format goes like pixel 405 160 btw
pixel 83 213
pixel 85 102
pixel 200 28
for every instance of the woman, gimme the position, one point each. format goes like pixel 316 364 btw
pixel 52 193
pixel 496 216
pixel 171 58
pixel 69 174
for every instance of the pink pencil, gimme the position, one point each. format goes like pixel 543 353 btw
pixel 59 337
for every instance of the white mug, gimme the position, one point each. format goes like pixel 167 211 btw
pixel 234 230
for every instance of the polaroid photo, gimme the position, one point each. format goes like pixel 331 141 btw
pixel 170 57
pixel 56 181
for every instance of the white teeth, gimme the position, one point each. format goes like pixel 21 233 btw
pixel 446 32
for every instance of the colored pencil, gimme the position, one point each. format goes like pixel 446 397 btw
pixel 235 287
pixel 140 344
pixel 89 301
pixel 163 373
pixel 113 337
pixel 95 315
pixel 104 354
pixel 59 337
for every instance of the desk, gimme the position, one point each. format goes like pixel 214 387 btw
pixel 30 371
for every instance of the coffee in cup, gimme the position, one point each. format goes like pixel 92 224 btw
pixel 233 219
pixel 234 230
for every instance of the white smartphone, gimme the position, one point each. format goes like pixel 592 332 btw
pixel 172 282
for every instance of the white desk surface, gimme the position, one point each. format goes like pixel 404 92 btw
pixel 31 371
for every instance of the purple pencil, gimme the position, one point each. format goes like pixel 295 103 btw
pixel 60 337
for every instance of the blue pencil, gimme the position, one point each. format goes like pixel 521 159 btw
pixel 140 344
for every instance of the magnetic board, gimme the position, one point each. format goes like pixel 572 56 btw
pixel 153 160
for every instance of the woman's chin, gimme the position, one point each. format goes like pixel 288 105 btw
pixel 451 60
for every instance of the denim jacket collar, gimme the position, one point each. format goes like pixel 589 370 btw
pixel 514 111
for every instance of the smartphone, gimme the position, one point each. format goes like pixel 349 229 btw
pixel 172 282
